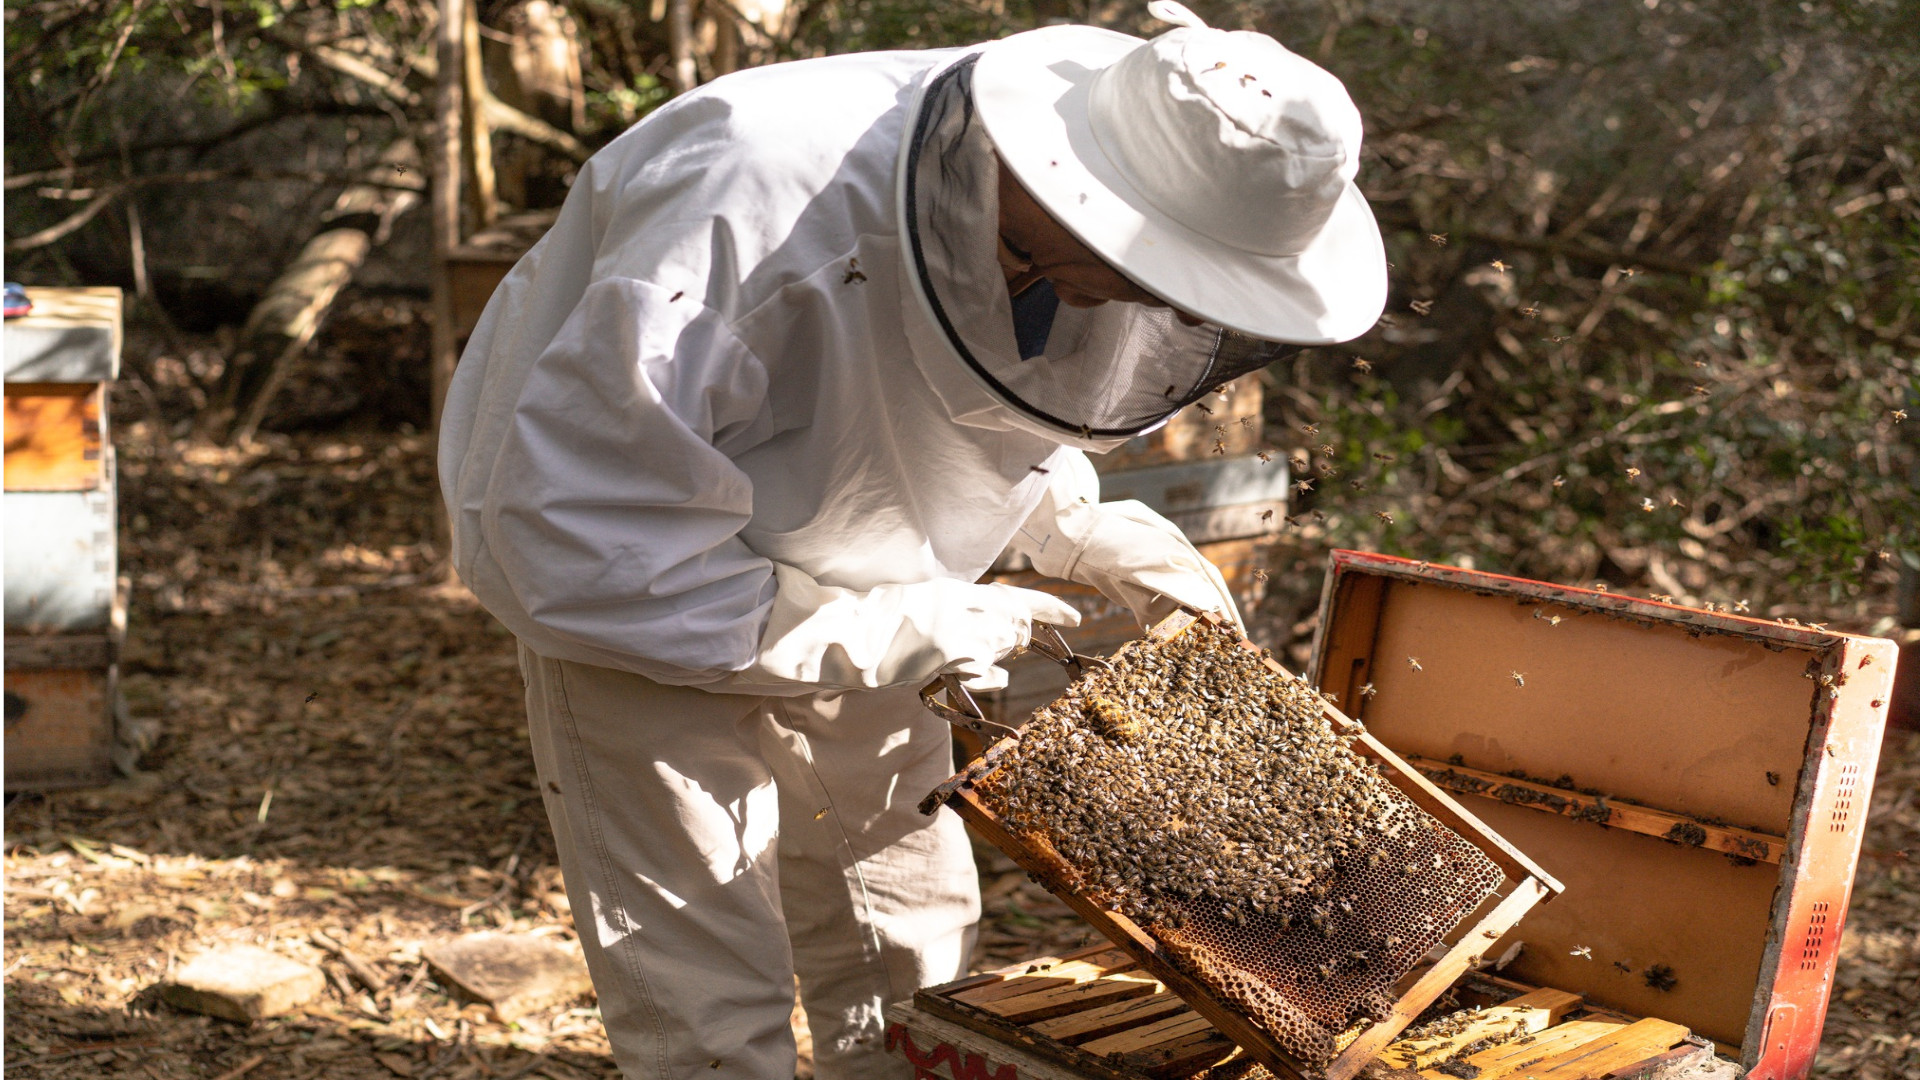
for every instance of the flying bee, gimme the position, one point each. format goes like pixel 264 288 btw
pixel 1582 951
pixel 1519 678
pixel 1383 516
pixel 1303 486
pixel 1674 503
pixel 1203 407
pixel 1899 415
pixel 1421 307
pixel 1378 456
pixel 1741 606
pixel 1633 473
pixel 1438 239
pixel 1368 691
pixel 1247 422
pixel 1038 469
pixel 1499 267
pixel 1702 390
pixel 1530 311
pixel 1264 456
pixel 1623 967
pixel 823 812
pixel 1310 429
pixel 1773 779
pixel 1647 505
pixel 1262 575
pixel 1559 481
pixel 1414 663
pixel 1326 449
pixel 1220 446
pixel 1362 366
pixel 1266 515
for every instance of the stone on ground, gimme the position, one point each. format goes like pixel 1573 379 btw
pixel 243 983
pixel 514 974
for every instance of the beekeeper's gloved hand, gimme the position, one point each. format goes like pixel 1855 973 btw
pixel 820 637
pixel 1130 553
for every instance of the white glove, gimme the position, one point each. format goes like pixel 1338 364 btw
pixel 1132 554
pixel 820 637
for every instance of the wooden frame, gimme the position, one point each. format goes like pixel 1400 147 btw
pixel 1530 886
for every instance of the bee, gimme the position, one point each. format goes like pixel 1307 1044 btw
pixel 676 296
pixel 1168 392
pixel 1261 575
pixel 1310 429
pixel 1499 267
pixel 1559 481
pixel 1647 505
pixel 1899 415
pixel 1219 446
pixel 1264 456
pixel 1038 469
pixel 1385 517
pixel 1247 422
pixel 1266 516
pixel 1623 967
pixel 1665 598
pixel 1362 366
pixel 1414 663
pixel 1631 271
pixel 1633 473
pixel 1582 951
pixel 1382 457
pixel 1519 679
pixel 1326 449
pixel 1303 486
pixel 1357 485
pixel 1600 586
pixel 1530 311
pixel 1674 503
pixel 1421 307
pixel 1438 239
pixel 1203 407
pixel 1319 517
pixel 1883 555
pixel 400 169
pixel 824 811
pixel 1773 778
pixel 853 272
pixel 1741 607
pixel 1701 390
pixel 1368 691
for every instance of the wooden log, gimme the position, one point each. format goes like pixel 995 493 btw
pixel 477 145
pixel 284 321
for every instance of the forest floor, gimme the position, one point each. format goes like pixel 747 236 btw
pixel 341 750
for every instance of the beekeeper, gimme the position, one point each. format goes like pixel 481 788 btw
pixel 805 351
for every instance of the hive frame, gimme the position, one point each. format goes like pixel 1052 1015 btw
pixel 1531 885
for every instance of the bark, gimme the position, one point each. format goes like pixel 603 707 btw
pixel 283 322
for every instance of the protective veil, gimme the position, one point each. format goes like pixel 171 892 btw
pixel 1106 373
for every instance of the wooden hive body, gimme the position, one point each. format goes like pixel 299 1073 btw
pixel 1699 780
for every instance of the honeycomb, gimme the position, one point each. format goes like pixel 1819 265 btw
pixel 1208 797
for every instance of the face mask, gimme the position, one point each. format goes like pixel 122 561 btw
pixel 1104 374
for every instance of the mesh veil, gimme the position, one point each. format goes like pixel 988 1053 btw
pixel 1116 370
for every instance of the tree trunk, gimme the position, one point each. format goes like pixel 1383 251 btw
pixel 284 321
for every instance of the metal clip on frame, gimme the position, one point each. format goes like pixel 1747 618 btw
pixel 962 711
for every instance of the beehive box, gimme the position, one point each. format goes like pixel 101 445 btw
pixel 1698 780
pixel 64 611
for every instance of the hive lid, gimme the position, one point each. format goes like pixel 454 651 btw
pixel 1698 780
pixel 70 336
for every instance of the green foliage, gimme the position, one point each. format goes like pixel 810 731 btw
pixel 1688 376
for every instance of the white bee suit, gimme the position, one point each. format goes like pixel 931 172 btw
pixel 711 462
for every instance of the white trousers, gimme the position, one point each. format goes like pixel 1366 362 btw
pixel 715 845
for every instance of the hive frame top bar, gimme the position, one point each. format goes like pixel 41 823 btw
pixel 1530 886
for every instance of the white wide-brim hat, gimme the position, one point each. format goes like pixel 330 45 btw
pixel 1213 168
